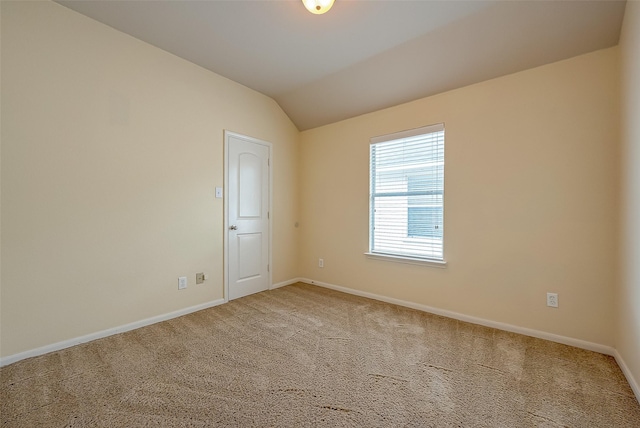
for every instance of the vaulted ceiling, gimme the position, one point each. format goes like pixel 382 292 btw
pixel 362 55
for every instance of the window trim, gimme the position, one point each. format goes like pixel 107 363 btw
pixel 408 133
pixel 403 258
pixel 407 260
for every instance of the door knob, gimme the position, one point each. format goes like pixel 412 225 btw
pixel 233 227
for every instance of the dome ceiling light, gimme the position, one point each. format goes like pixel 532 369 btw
pixel 318 7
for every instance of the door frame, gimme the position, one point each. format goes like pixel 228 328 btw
pixel 227 135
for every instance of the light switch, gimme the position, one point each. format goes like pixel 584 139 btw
pixel 218 192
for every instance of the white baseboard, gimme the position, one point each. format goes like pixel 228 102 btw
pixel 590 346
pixel 603 349
pixel 627 373
pixel 104 333
pixel 596 347
pixel 4 361
pixel 283 283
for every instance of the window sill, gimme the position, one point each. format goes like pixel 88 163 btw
pixel 407 260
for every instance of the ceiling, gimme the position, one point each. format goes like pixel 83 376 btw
pixel 362 55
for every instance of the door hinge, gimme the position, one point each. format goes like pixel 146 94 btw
pixel 268 268
pixel 268 161
pixel 268 214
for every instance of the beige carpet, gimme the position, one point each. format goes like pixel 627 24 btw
pixel 303 356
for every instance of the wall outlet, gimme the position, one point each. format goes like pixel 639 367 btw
pixel 321 263
pixel 182 283
pixel 199 278
pixel 552 300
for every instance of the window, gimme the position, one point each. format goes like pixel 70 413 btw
pixel 407 194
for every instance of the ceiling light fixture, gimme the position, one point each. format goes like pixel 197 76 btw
pixel 318 7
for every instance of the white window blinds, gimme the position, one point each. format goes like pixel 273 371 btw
pixel 407 193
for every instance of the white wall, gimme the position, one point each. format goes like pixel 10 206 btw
pixel 111 150
pixel 628 303
pixel 531 200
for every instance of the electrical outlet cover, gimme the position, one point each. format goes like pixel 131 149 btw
pixel 552 300
pixel 182 283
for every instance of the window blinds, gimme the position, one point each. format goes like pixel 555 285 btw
pixel 407 193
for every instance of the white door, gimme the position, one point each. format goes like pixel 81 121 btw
pixel 247 219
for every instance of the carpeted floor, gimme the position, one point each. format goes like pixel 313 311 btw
pixel 304 356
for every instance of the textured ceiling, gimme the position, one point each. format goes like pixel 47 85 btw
pixel 362 55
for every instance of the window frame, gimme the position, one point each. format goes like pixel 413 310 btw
pixel 403 257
